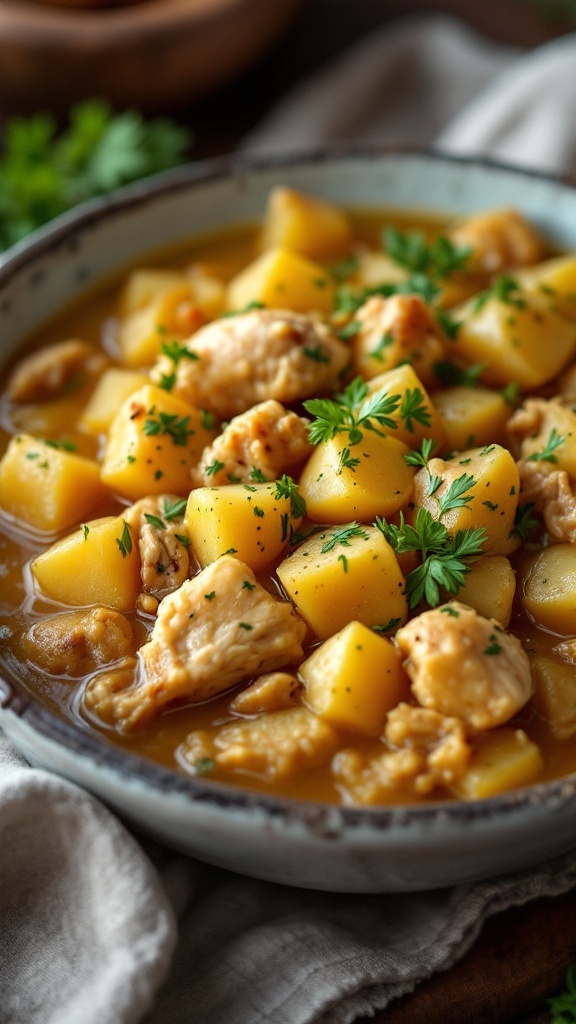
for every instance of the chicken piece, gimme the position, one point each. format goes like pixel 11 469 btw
pixel 275 746
pixel 431 751
pixel 499 239
pixel 272 692
pixel 45 374
pixel 396 330
pixel 553 495
pixel 267 439
pixel 163 549
pixel 465 665
pixel 77 643
pixel 214 631
pixel 252 357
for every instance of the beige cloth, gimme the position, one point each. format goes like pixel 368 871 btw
pixel 89 914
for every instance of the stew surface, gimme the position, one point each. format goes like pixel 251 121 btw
pixel 295 508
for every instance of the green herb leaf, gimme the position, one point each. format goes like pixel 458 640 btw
pixel 286 488
pixel 555 440
pixel 124 542
pixel 343 535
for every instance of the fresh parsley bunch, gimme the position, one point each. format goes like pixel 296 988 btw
pixel 43 173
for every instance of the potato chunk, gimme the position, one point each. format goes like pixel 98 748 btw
pixel 472 417
pixel 48 488
pixel 281 277
pixel 353 679
pixel 369 479
pixel 477 489
pixel 171 315
pixel 77 643
pixel 113 388
pixel 489 588
pixel 155 439
pixel 465 665
pixel 311 226
pixel 550 589
pixel 555 695
pixel 346 573
pixel 97 564
pixel 503 759
pixel 416 417
pixel 556 280
pixel 252 521
pixel 275 746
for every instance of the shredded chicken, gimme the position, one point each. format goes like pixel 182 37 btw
pixel 431 751
pixel 267 439
pixel 45 374
pixel 256 356
pixel 499 239
pixel 214 631
pixel 531 426
pixel 165 563
pixel 553 494
pixel 465 665
pixel 275 746
pixel 271 692
pixel 77 643
pixel 399 329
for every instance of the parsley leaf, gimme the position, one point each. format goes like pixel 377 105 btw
pixel 555 440
pixel 437 259
pixel 354 409
pixel 343 535
pixel 505 289
pixel 456 496
pixel 563 1005
pixel 421 457
pixel 286 488
pixel 413 407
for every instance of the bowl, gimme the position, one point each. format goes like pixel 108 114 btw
pixel 299 843
pixel 156 55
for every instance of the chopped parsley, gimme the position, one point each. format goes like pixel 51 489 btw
pixel 343 535
pixel 214 468
pixel 555 441
pixel 124 542
pixel 175 509
pixel 286 488
pixel 168 424
pixel 352 412
pixel 422 456
pixel 505 289
pixel 456 496
pixel 155 521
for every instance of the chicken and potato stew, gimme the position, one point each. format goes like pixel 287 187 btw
pixel 296 510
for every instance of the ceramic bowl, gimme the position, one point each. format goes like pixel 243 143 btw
pixel 298 843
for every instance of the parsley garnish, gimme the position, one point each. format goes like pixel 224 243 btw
pixel 445 559
pixel 248 586
pixel 286 488
pixel 421 457
pixel 437 259
pixel 214 468
pixel 505 289
pixel 493 645
pixel 204 765
pixel 43 174
pixel 124 542
pixel 555 440
pixel 563 1006
pixel 155 521
pixel 386 340
pixel 456 496
pixel 345 268
pixel 354 409
pixel 64 446
pixel 413 407
pixel 457 376
pixel 524 522
pixel 388 627
pixel 207 419
pixel 169 424
pixel 245 625
pixel 85 531
pixel 343 535
pixel 210 596
pixel 257 475
pixel 175 509
pixel 316 353
pixel 346 461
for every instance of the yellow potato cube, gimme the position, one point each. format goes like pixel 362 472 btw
pixel 504 759
pixel 113 388
pixel 477 489
pixel 522 340
pixel 171 316
pixel 349 572
pixel 354 679
pixel 252 521
pixel 554 279
pixel 489 588
pixel 369 479
pixel 46 487
pixel 555 695
pixel 154 441
pixel 550 589
pixel 472 416
pixel 411 429
pixel 310 226
pixel 98 564
pixel 282 279
pixel 146 284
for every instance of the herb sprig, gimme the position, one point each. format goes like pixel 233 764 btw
pixel 353 411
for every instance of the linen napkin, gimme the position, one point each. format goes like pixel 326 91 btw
pixel 99 927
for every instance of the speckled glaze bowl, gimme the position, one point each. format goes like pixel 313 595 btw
pixel 298 843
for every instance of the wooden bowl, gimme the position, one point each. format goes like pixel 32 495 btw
pixel 157 55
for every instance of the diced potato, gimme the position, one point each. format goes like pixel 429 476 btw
pixel 343 574
pixel 98 564
pixel 376 268
pixel 472 416
pixel 146 284
pixel 310 226
pixel 562 420
pixel 490 500
pixel 171 316
pixel 554 279
pixel 354 679
pixel 550 589
pixel 337 491
pixel 504 759
pixel 404 381
pixel 252 521
pixel 154 441
pixel 113 388
pixel 555 696
pixel 489 588
pixel 282 279
pixel 208 290
pixel 46 487
pixel 522 340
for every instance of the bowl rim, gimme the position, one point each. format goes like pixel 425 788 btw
pixel 81 741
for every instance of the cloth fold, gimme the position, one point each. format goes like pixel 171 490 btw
pixel 89 912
